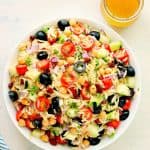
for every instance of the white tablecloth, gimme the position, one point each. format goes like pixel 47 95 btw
pixel 18 17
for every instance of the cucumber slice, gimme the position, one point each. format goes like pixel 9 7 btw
pixel 98 99
pixel 70 136
pixel 72 112
pixel 102 53
pixel 115 45
pixel 93 130
pixel 131 82
pixel 56 130
pixel 37 133
pixel 123 90
pixel 114 115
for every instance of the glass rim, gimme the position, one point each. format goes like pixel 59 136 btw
pixel 134 16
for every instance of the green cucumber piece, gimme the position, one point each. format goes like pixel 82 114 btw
pixel 93 130
pixel 37 133
pixel 131 82
pixel 114 115
pixel 115 45
pixel 72 112
pixel 56 130
pixel 98 99
pixel 123 90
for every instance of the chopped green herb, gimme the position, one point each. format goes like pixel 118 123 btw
pixel 61 39
pixel 55 51
pixel 73 105
pixel 28 61
pixel 96 64
pixel 33 90
pixel 106 59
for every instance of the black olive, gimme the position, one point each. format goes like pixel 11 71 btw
pixel 63 133
pixel 101 133
pixel 26 84
pixel 51 110
pixel 37 123
pixel 124 115
pixel 62 24
pixel 78 119
pixel 55 102
pixel 95 34
pixel 42 55
pixel 45 79
pixel 130 71
pixel 122 72
pixel 79 67
pixel 41 35
pixel 109 99
pixel 94 141
pixel 71 144
pixel 132 92
pixel 96 109
pixel 122 101
pixel 13 95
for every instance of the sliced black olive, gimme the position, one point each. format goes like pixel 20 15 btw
pixel 41 35
pixel 132 92
pixel 13 95
pixel 122 72
pixel 42 55
pixel 130 71
pixel 45 79
pixel 122 101
pixel 78 119
pixel 96 109
pixel 95 34
pixel 71 144
pixel 55 102
pixel 26 84
pixel 124 115
pixel 79 67
pixel 37 123
pixel 51 110
pixel 62 24
pixel 94 141
pixel 109 99
pixel 101 133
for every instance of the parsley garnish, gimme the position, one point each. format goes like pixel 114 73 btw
pixel 28 61
pixel 33 90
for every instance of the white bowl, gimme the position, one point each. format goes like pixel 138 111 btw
pixel 106 141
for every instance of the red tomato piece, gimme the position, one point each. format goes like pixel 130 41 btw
pixel 84 94
pixel 86 84
pixel 42 103
pixel 34 116
pixel 107 47
pixel 78 28
pixel 114 123
pixel 67 79
pixel 87 43
pixel 107 83
pixel 74 92
pixel 29 124
pixel 43 65
pixel 99 88
pixel 60 140
pixel 87 113
pixel 19 114
pixel 59 119
pixel 52 139
pixel 50 90
pixel 68 49
pixel 21 69
pixel 122 55
pixel 127 105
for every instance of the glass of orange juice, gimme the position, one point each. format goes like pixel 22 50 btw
pixel 121 13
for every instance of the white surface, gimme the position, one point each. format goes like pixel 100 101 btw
pixel 19 17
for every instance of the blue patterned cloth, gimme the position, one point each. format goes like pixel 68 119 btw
pixel 3 146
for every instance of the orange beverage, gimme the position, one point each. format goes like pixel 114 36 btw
pixel 121 13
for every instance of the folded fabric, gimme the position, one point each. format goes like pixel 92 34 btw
pixel 3 146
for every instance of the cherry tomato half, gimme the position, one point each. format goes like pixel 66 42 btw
pixel 21 69
pixel 60 140
pixel 59 119
pixel 19 114
pixel 68 49
pixel 78 28
pixel 87 113
pixel 122 55
pixel 87 43
pixel 67 79
pixel 43 65
pixel 84 94
pixel 114 123
pixel 127 105
pixel 42 103
pixel 74 92
pixel 107 82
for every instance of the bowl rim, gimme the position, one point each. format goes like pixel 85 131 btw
pixel 106 29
